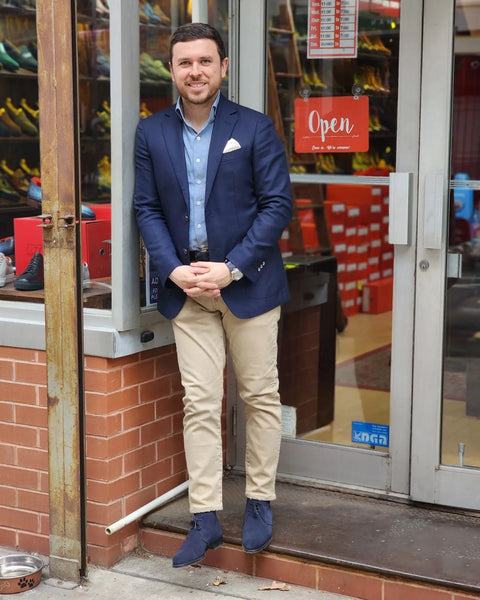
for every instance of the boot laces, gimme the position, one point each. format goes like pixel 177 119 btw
pixel 33 264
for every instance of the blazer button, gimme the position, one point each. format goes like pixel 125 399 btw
pixel 185 251
pixel 187 218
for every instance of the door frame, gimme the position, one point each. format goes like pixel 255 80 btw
pixel 432 481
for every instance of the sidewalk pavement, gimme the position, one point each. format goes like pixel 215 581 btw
pixel 150 577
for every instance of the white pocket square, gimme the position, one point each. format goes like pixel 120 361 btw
pixel 231 145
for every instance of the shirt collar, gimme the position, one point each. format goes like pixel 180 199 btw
pixel 213 110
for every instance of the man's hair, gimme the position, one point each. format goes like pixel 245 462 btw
pixel 197 31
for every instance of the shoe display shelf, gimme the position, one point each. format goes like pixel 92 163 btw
pixel 19 141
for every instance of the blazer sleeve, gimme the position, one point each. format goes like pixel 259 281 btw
pixel 274 201
pixel 148 210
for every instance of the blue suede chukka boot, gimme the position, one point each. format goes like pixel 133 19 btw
pixel 205 534
pixel 257 526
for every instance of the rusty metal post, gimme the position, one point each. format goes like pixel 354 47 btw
pixel 59 152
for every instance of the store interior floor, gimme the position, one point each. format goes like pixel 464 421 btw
pixel 395 538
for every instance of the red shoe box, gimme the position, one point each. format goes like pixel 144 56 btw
pixel 337 233
pixel 335 212
pixel 377 296
pixel 96 244
pixel 352 216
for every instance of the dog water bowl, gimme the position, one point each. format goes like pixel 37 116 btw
pixel 19 572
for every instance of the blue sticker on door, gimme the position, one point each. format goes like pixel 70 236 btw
pixel 372 434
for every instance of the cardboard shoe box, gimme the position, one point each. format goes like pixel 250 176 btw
pixel 96 244
pixel 377 296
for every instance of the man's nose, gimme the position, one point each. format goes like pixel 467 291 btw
pixel 196 68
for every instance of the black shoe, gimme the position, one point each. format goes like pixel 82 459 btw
pixel 205 534
pixel 32 278
pixel 257 526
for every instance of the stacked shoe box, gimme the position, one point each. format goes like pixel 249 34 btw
pixel 96 244
pixel 365 255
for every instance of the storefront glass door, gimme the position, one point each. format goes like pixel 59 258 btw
pixel 446 391
pixel 336 105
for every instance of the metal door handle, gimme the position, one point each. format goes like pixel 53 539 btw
pixel 399 206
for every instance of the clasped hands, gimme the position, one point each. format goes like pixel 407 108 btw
pixel 202 278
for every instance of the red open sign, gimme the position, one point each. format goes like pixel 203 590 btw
pixel 334 124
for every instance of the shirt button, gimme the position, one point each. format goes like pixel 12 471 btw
pixel 198 138
pixel 197 160
pixel 199 226
pixel 198 203
pixel 199 182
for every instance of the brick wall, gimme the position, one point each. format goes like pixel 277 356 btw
pixel 134 445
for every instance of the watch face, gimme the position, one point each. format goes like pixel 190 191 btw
pixel 236 274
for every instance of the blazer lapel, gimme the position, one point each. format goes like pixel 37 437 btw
pixel 225 121
pixel 173 137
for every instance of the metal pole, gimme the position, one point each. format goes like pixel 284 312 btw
pixel 59 152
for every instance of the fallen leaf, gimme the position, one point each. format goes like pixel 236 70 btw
pixel 219 581
pixel 276 585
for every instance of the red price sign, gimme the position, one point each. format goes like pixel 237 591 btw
pixel 335 124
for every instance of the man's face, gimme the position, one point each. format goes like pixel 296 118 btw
pixel 197 70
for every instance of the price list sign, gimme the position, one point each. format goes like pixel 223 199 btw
pixel 332 28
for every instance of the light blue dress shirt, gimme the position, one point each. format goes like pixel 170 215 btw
pixel 197 145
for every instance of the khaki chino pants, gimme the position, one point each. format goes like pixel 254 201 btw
pixel 202 329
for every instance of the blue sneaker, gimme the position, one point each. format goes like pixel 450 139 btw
pixel 205 534
pixel 7 246
pixel 34 198
pixel 257 526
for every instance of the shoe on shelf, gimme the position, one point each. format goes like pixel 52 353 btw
pixel 6 190
pixel 20 118
pixel 32 278
pixel 6 119
pixel 7 272
pixel 22 56
pixel 205 534
pixel 257 526
pixel 7 61
pixel 31 113
pixel 34 198
pixel 7 245
pixel 103 63
pixel 17 178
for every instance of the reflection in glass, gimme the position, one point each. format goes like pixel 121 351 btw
pixel 461 381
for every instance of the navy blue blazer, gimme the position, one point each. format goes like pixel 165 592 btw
pixel 248 204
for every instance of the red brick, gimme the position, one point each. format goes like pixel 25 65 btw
pixel 30 373
pixel 19 478
pixel 139 458
pixel 43 482
pixel 101 381
pixel 106 492
pixel 231 558
pixel 170 405
pixel 153 390
pixel 24 354
pixel 31 500
pixel 123 399
pixel 8 537
pixel 6 369
pixel 176 384
pixel 104 557
pixel 19 519
pixel 11 434
pixel 156 472
pixel 104 470
pixel 399 590
pixel 103 425
pixel 139 499
pixel 161 542
pixel 7 454
pixel 31 415
pixel 42 439
pixel 179 464
pixel 138 373
pixel 115 446
pixel 32 458
pixel 140 415
pixel 31 542
pixel 20 392
pixel 282 569
pixel 8 496
pixel 464 597
pixel 170 446
pixel 155 431
pixel 171 482
pixel 96 362
pixel 104 514
pixel 166 365
pixel 350 583
pixel 6 412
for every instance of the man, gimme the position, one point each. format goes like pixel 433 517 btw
pixel 212 198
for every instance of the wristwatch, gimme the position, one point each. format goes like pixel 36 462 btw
pixel 234 271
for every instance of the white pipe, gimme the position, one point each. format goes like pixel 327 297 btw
pixel 143 510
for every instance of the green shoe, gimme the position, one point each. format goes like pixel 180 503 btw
pixel 7 61
pixel 11 125
pixel 21 119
